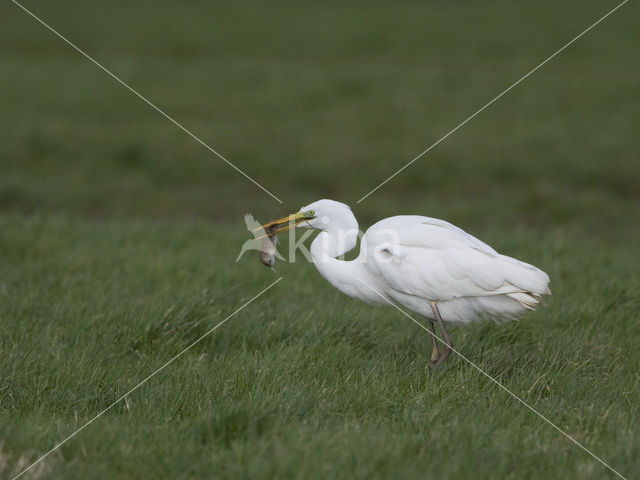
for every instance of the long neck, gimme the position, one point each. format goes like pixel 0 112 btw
pixel 331 244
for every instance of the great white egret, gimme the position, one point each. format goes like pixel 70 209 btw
pixel 430 266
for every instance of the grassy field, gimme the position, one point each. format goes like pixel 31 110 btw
pixel 119 235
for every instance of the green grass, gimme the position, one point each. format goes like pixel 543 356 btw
pixel 119 233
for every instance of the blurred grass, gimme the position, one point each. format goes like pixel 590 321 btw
pixel 118 236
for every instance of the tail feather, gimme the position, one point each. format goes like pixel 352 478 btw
pixel 528 300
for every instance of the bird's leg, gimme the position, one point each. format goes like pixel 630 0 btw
pixel 448 344
pixel 435 353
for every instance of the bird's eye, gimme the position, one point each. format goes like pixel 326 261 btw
pixel 311 212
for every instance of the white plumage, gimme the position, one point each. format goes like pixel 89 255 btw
pixel 429 266
pixel 431 259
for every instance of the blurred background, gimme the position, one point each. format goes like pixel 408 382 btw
pixel 119 235
pixel 318 100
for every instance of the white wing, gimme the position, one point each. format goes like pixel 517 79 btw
pixel 435 260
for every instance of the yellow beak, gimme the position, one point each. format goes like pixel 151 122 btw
pixel 285 223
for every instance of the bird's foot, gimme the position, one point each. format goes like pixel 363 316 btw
pixel 435 352
pixel 441 359
pixel 433 361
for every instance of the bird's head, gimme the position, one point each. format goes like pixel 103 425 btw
pixel 321 215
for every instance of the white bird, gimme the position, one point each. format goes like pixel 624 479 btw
pixel 429 266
